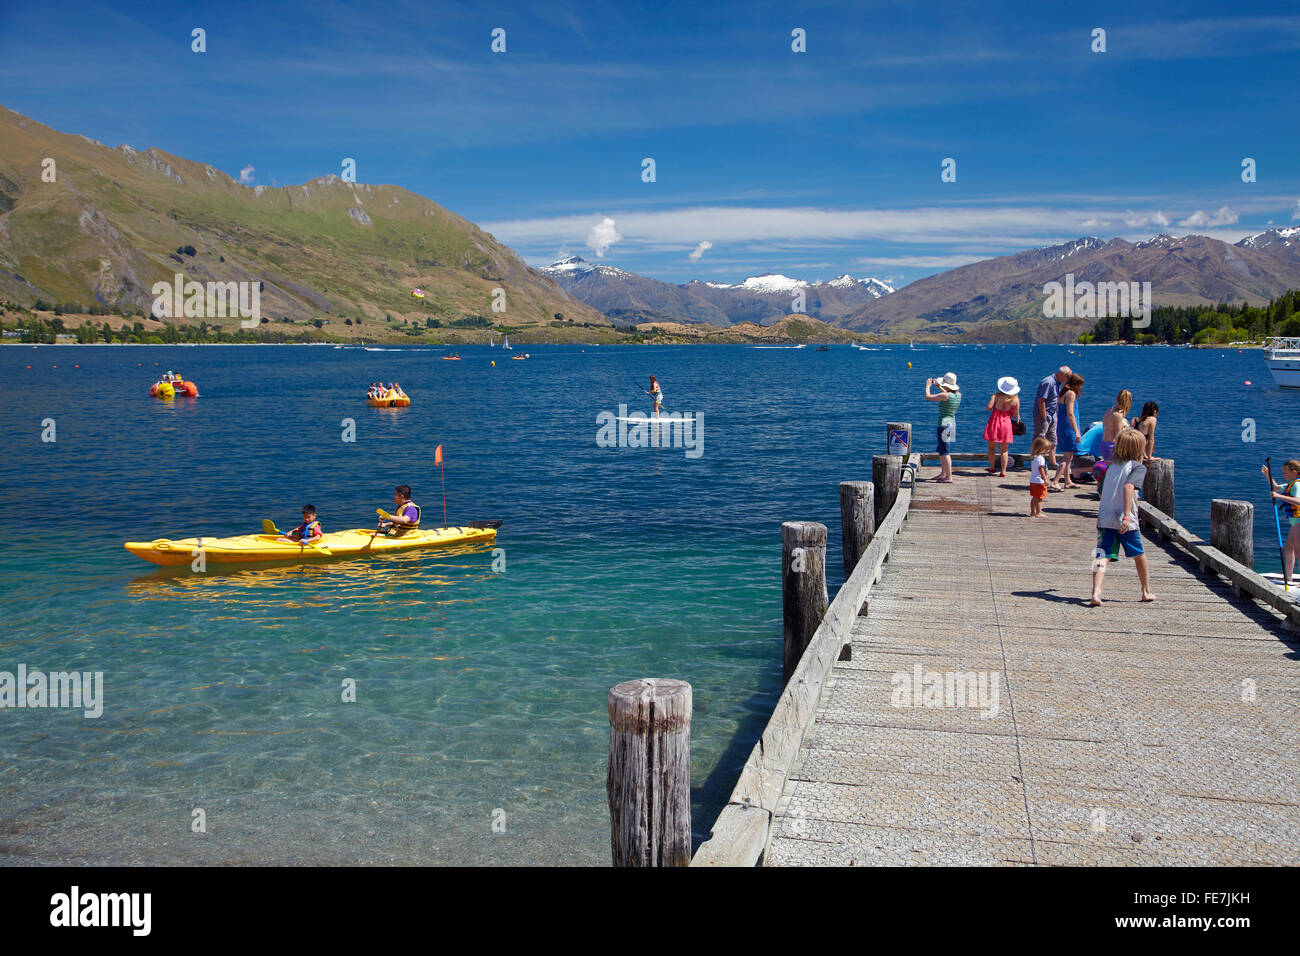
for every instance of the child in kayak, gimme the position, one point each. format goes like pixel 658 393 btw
pixel 1286 498
pixel 310 531
pixel 405 516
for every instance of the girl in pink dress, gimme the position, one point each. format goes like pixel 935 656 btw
pixel 1002 408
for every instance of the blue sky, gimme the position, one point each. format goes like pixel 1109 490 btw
pixel 812 164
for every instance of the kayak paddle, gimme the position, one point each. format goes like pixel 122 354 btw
pixel 437 460
pixel 1281 544
pixel 268 527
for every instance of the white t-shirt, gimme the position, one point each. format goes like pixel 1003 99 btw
pixel 1036 476
pixel 1111 508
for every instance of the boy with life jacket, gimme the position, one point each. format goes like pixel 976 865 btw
pixel 1286 499
pixel 310 531
pixel 404 518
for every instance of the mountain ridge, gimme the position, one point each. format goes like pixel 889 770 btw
pixel 766 298
pixel 105 229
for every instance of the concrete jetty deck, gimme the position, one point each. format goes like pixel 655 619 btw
pixel 1164 733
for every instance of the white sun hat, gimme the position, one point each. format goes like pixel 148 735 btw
pixel 949 382
pixel 1008 386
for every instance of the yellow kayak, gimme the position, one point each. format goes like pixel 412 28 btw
pixel 250 548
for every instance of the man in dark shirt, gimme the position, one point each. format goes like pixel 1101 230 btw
pixel 1045 406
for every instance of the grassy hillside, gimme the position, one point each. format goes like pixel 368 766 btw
pixel 113 222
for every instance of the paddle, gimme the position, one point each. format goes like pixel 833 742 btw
pixel 268 527
pixel 644 392
pixel 437 460
pixel 1281 544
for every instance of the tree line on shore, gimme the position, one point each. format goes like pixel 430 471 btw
pixel 1204 324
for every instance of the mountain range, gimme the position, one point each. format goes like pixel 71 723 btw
pixel 84 223
pixel 630 298
pixel 998 299
pixel 979 298
pixel 113 221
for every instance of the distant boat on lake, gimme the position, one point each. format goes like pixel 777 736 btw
pixel 1284 361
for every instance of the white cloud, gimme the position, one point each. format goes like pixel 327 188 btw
pixel 920 262
pixel 1200 219
pixel 246 174
pixel 602 236
pixel 1139 221
pixel 916 237
pixel 1296 215
pixel 702 248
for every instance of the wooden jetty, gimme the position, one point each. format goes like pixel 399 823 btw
pixel 959 702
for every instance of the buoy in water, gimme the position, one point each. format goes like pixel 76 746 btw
pixel 494 364
pixel 1247 381
pixel 909 364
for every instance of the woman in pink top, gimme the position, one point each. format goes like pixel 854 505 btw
pixel 1002 407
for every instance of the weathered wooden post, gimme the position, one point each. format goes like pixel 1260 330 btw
pixel 1158 488
pixel 857 521
pixel 803 588
pixel 649 781
pixel 1232 529
pixel 898 438
pixel 886 472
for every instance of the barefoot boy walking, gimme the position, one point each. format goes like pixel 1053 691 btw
pixel 1117 517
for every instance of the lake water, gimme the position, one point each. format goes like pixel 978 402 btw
pixel 480 693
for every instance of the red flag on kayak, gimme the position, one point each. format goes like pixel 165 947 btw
pixel 437 456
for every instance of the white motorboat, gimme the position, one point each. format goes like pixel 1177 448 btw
pixel 1284 361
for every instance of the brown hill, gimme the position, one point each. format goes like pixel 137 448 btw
pixel 111 223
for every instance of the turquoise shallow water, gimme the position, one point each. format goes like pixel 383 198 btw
pixel 476 691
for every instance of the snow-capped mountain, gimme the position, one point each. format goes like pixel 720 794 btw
pixel 627 296
pixel 1289 237
pixel 1184 270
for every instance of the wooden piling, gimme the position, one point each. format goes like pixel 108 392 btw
pixel 857 521
pixel 886 472
pixel 892 445
pixel 803 588
pixel 1158 488
pixel 1232 529
pixel 649 781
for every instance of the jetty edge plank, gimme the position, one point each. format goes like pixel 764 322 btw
pixel 740 835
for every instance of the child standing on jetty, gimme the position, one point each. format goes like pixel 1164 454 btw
pixel 1286 499
pixel 1117 517
pixel 1038 476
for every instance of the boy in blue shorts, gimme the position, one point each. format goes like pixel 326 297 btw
pixel 1117 516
